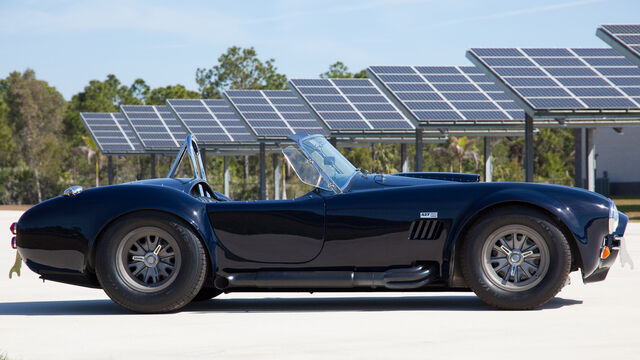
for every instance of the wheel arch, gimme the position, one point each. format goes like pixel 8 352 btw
pixel 455 277
pixel 99 236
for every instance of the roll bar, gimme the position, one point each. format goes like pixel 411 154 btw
pixel 189 147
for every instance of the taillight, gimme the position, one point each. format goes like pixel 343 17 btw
pixel 14 244
pixel 13 228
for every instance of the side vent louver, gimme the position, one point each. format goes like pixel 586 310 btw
pixel 425 229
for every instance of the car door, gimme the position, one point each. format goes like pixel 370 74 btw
pixel 270 231
pixel 382 228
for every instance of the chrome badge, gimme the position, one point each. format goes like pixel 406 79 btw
pixel 428 215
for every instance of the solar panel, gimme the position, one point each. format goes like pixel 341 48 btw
pixel 211 121
pixel 111 133
pixel 273 114
pixel 346 105
pixel 559 80
pixel 155 126
pixel 448 95
pixel 624 38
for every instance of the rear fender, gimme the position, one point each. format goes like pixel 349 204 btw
pixel 100 207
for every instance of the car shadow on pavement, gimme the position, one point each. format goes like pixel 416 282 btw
pixel 62 307
pixel 262 305
pixel 408 303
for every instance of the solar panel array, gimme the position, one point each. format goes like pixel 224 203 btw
pixel 111 133
pixel 624 38
pixel 273 114
pixel 558 79
pixel 156 126
pixel 212 122
pixel 351 104
pixel 442 95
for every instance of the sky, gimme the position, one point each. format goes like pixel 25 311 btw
pixel 68 43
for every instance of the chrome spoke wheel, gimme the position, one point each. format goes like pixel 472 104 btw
pixel 148 259
pixel 515 257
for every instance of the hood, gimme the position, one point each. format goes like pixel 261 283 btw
pixel 373 181
pixel 447 176
pixel 420 178
pixel 394 180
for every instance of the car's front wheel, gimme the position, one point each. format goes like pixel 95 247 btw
pixel 150 263
pixel 515 258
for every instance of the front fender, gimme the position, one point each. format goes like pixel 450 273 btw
pixel 576 209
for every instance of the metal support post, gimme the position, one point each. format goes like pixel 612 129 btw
pixel 153 166
pixel 333 141
pixel 591 160
pixel 284 181
pixel 419 146
pixel 528 148
pixel 226 176
pixel 579 157
pixel 277 175
pixel 263 175
pixel 488 160
pixel 404 159
pixel 110 169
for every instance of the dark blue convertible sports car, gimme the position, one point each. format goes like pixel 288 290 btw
pixel 156 245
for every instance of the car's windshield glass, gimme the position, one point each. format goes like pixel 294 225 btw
pixel 328 159
pixel 307 173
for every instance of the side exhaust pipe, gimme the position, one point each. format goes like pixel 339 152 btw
pixel 409 278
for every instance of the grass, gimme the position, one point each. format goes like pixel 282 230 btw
pixel 15 208
pixel 629 206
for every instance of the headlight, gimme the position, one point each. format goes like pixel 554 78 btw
pixel 614 217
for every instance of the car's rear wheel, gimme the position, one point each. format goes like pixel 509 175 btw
pixel 515 258
pixel 150 262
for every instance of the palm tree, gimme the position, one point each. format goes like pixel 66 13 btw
pixel 458 149
pixel 93 154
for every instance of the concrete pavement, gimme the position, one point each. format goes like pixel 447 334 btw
pixel 56 321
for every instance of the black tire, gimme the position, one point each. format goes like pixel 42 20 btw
pixel 207 293
pixel 526 283
pixel 139 281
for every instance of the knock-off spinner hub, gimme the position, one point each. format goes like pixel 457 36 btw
pixel 515 258
pixel 150 260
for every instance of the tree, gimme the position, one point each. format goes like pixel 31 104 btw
pixel 340 70
pixel 159 96
pixel 458 149
pixel 139 91
pixel 90 149
pixel 35 112
pixel 100 96
pixel 239 68
pixel 7 144
pixel 553 156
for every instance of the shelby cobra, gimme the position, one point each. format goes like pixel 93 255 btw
pixel 156 245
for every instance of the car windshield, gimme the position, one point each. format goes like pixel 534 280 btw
pixel 328 159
